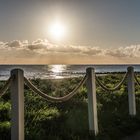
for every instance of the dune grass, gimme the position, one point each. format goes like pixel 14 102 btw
pixel 69 120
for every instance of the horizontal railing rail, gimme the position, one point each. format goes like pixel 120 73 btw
pixel 51 98
pixel 114 88
pixel 5 86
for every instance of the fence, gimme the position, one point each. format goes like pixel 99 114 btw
pixel 16 83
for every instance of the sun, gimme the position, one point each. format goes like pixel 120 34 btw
pixel 57 30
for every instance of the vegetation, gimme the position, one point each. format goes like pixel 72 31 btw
pixel 69 120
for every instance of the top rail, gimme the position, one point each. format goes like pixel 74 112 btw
pixel 54 99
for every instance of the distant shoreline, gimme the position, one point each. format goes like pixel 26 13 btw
pixel 63 71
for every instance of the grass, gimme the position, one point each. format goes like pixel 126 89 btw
pixel 69 120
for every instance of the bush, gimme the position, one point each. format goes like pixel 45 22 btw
pixel 69 120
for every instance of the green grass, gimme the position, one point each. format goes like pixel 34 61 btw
pixel 69 120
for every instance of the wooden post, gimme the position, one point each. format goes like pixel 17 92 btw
pixel 131 91
pixel 92 105
pixel 17 99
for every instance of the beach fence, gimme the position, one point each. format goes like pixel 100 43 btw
pixel 16 84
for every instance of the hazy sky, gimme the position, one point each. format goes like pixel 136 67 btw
pixel 98 24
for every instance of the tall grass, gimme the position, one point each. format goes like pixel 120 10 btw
pixel 69 120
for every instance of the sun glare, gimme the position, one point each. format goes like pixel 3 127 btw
pixel 57 30
pixel 57 68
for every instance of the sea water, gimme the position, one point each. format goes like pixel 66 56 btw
pixel 60 71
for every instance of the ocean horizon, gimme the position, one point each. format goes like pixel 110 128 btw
pixel 61 71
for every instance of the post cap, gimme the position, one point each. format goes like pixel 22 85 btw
pixel 130 68
pixel 90 68
pixel 17 70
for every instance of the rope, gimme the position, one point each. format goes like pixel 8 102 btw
pixel 136 79
pixel 111 89
pixel 54 99
pixel 5 87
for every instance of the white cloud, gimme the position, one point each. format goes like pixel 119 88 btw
pixel 129 51
pixel 15 43
pixel 42 49
pixel 44 46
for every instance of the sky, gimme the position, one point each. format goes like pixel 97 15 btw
pixel 97 32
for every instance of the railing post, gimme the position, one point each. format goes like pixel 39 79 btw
pixel 131 91
pixel 17 99
pixel 92 105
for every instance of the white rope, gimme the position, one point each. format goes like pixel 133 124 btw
pixel 136 79
pixel 5 87
pixel 111 89
pixel 54 99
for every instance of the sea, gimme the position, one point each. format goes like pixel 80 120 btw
pixel 60 71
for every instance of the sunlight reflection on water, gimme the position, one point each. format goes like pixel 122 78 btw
pixel 60 71
pixel 57 68
pixel 56 71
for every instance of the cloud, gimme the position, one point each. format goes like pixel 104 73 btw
pixel 44 51
pixel 44 46
pixel 15 43
pixel 129 51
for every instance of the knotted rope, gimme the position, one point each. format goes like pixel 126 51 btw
pixel 111 89
pixel 54 99
pixel 6 86
pixel 136 79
